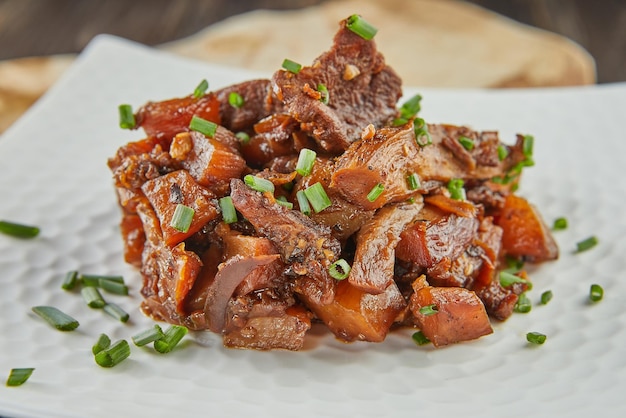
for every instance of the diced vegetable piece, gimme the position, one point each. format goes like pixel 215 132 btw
pixel 19 376
pixel 56 318
pixel 18 230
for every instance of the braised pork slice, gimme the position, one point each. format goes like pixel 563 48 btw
pixel 242 105
pixel 345 90
pixel 374 259
pixel 309 248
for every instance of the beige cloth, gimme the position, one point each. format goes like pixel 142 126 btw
pixel 434 43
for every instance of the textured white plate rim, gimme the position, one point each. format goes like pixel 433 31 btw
pixel 577 371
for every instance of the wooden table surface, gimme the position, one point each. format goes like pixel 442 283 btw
pixel 36 27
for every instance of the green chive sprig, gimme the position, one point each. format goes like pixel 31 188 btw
pixel 419 338
pixel 455 187
pixel 56 318
pixel 413 181
pixel 536 338
pixel 317 197
pixel 236 100
pixel 127 118
pixel 205 127
pixel 596 293
pixel 19 376
pixel 102 343
pixel 422 136
pixel 324 95
pixel 18 230
pixel 468 143
pixel 361 27
pixel 523 304
pixel 306 160
pixel 546 297
pixel 258 183
pixel 586 244
pixel 559 224
pixel 229 213
pixel 339 270
pixel 201 89
pixel 303 203
pixel 429 310
pixel 291 66
pixel 92 297
pixel 113 355
pixel 171 338
pixel 116 312
pixel 375 192
pixel 182 218
pixel 148 336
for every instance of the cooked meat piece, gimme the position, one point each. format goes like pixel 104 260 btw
pixel 436 235
pixel 230 275
pixel 166 192
pixel 392 154
pixel 525 234
pixel 134 237
pixel 170 117
pixel 257 104
pixel 355 315
pixel 266 320
pixel 459 314
pixel 353 102
pixel 273 137
pixel 307 247
pixel 211 162
pixel 140 161
pixel 372 269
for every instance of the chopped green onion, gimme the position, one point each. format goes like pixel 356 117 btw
pixel 468 143
pixel 243 137
pixel 127 118
pixel 422 136
pixel 116 312
pixel 410 108
pixel 507 279
pixel 375 192
pixel 306 160
pixel 339 270
pixel 18 230
pixel 523 304
pixel 325 96
pixel 171 338
pixel 201 89
pixel 317 197
pixel 92 297
pixel 536 338
pixel 419 338
pixel 361 27
pixel 559 224
pixel 291 66
pixel 182 218
pixel 455 187
pixel 503 152
pixel 103 343
pixel 429 310
pixel 56 318
pixel 282 200
pixel 586 244
pixel 148 336
pixel 95 279
pixel 399 121
pixel 113 355
pixel 596 293
pixel 413 181
pixel 205 127
pixel 235 100
pixel 229 213
pixel 114 287
pixel 546 297
pixel 303 203
pixel 259 184
pixel 71 277
pixel 19 376
pixel 527 145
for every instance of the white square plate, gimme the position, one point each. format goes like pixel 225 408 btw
pixel 53 174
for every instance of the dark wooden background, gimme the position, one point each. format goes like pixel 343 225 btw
pixel 42 27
